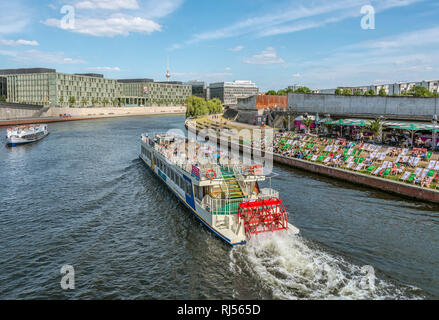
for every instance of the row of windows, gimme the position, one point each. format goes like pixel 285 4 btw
pixel 146 152
pixel 174 176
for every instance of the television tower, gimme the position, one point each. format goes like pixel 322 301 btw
pixel 168 73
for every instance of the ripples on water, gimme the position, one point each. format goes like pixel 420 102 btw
pixel 82 197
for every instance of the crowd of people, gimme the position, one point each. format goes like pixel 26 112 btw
pixel 412 165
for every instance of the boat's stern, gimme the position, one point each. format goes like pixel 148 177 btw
pixel 263 216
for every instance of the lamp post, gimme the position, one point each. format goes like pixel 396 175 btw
pixel 434 121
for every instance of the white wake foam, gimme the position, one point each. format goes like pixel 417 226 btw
pixel 293 268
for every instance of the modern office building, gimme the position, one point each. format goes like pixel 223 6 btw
pixel 145 92
pixel 50 88
pixel 229 92
pixel 199 88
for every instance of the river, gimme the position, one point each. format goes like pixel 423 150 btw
pixel 82 197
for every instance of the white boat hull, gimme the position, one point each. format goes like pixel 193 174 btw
pixel 15 141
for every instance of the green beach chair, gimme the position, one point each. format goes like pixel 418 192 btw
pixel 370 169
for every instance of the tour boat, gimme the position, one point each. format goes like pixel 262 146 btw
pixel 227 198
pixel 25 134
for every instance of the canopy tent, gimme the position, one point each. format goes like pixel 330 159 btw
pixel 412 127
pixel 301 118
pixel 324 120
pixel 340 122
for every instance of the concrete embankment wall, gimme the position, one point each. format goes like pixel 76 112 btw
pixel 395 187
pixel 404 108
pixel 113 111
pixel 247 116
pixel 17 111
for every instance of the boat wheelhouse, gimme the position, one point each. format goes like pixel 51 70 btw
pixel 226 198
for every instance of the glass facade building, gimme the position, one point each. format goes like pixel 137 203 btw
pixel 229 92
pixel 50 88
pixel 146 92
pixel 3 86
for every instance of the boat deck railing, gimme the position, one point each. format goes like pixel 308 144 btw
pixel 231 206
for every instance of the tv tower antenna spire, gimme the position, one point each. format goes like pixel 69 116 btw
pixel 168 73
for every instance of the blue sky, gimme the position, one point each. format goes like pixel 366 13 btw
pixel 316 43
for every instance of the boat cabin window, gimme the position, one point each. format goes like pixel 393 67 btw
pixel 146 152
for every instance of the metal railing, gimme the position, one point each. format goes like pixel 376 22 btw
pixel 231 206
pixel 221 206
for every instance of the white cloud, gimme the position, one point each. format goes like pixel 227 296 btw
pixel 32 57
pixel 228 69
pixel 155 9
pixel 14 17
pixel 174 47
pixel 104 69
pixel 114 25
pixel 14 43
pixel 268 56
pixel 297 16
pixel 409 39
pixel 237 48
pixel 107 4
pixel 109 18
pixel 296 75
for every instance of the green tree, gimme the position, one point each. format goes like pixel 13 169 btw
pixel 376 127
pixel 358 93
pixel 83 102
pixel 370 92
pixel 61 100
pixel 382 92
pixel 271 93
pixel 347 92
pixel 215 106
pixel 105 101
pixel 72 101
pixel 307 123
pixel 196 107
pixel 116 102
pixel 302 90
pixel 420 91
pixel 338 92
pixel 3 98
pixel 94 101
